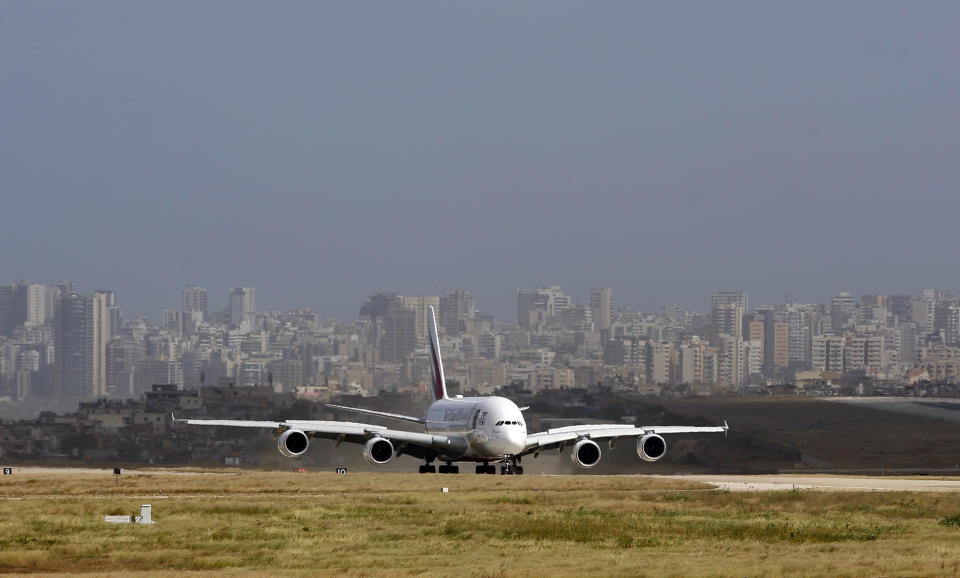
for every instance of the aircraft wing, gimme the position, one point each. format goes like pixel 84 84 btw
pixel 378 413
pixel 337 430
pixel 557 437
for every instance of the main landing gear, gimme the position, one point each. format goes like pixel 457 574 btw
pixel 486 469
pixel 449 468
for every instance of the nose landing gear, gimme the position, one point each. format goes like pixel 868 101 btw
pixel 511 466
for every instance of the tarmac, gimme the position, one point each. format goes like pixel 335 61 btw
pixel 738 483
pixel 733 483
pixel 946 409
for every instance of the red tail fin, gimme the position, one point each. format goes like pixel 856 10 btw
pixel 439 384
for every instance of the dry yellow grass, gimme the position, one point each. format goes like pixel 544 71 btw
pixel 401 524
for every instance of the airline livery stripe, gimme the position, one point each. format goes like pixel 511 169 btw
pixel 437 375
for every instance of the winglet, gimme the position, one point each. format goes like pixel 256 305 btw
pixel 439 384
pixel 726 428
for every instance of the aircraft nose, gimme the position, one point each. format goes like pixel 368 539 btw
pixel 515 441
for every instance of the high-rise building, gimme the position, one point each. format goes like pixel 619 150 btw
pixel 455 309
pixel 399 334
pixel 120 366
pixel 81 333
pixel 755 333
pixel 538 305
pixel 781 348
pixel 601 306
pixel 753 358
pixel 843 308
pixel 730 298
pixel 731 361
pixel 952 324
pixel 728 319
pixel 243 306
pixel 691 362
pixel 798 336
pixel 661 363
pixel 195 300
pixel 23 303
pixel 828 353
pixel 418 304
pixel 38 306
pixel 864 354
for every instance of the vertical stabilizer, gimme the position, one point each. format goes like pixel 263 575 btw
pixel 439 384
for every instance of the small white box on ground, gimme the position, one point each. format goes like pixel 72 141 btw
pixel 145 516
pixel 445 490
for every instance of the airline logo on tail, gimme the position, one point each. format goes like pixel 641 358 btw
pixel 439 384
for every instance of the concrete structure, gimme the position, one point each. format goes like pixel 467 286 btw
pixel 418 304
pixel 730 298
pixel 195 301
pixel 539 305
pixel 828 353
pixel 456 308
pixel 601 307
pixel 243 306
pixel 81 333
pixel 727 319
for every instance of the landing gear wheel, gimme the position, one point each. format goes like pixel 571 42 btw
pixel 518 470
pixel 428 469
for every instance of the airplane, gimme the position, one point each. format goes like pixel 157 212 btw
pixel 483 430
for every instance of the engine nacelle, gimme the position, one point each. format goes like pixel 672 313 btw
pixel 293 443
pixel 651 447
pixel 586 454
pixel 378 451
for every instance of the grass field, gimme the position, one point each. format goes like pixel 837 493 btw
pixel 401 524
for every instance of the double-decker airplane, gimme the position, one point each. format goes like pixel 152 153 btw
pixel 483 430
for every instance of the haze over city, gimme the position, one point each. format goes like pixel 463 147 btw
pixel 321 152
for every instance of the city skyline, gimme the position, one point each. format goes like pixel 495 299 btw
pixel 58 342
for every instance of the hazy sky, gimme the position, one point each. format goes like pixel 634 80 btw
pixel 324 151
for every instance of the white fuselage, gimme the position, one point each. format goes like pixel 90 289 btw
pixel 493 427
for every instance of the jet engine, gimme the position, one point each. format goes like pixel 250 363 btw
pixel 293 443
pixel 651 447
pixel 586 454
pixel 378 451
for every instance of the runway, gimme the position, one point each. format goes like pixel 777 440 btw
pixel 824 483
pixel 946 409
